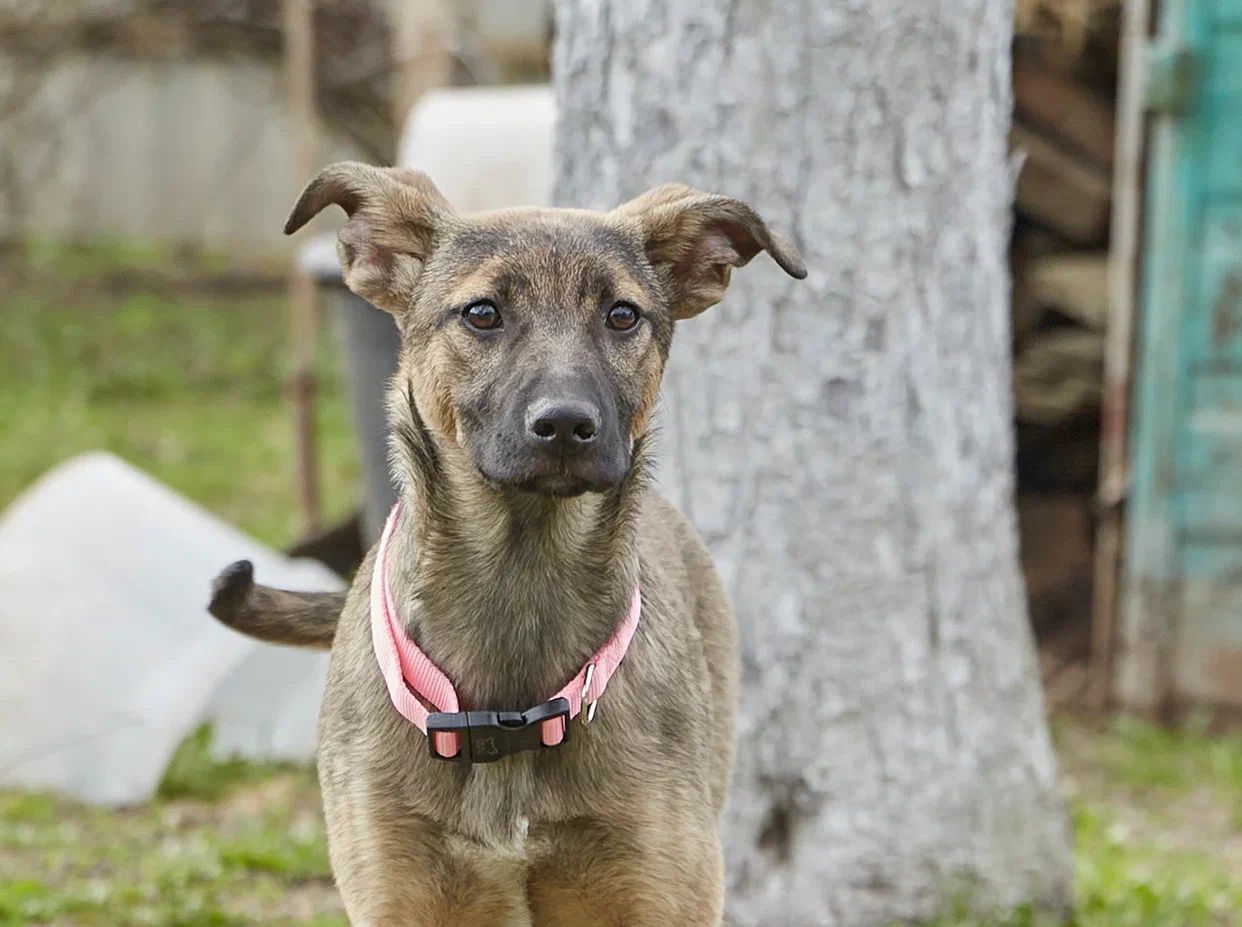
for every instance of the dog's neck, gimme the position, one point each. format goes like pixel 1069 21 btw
pixel 508 593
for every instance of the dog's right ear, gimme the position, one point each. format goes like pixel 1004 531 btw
pixel 395 219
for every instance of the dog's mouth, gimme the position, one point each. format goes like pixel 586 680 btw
pixel 560 486
pixel 553 484
pixel 552 478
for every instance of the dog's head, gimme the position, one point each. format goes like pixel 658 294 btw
pixel 535 339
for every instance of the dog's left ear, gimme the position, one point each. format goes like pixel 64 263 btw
pixel 695 239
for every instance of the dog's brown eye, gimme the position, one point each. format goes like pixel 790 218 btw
pixel 622 317
pixel 482 315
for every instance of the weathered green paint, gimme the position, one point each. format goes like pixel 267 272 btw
pixel 1182 612
pixel 1170 80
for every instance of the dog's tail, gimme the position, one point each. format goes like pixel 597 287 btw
pixel 302 619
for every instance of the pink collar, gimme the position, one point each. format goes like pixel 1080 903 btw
pixel 413 680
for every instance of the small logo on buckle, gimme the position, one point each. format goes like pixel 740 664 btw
pixel 486 746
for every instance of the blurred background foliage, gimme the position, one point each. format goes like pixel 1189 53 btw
pixel 164 359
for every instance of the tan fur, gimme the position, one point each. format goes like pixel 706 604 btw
pixel 510 591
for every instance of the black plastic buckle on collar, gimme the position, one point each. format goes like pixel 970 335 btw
pixel 487 736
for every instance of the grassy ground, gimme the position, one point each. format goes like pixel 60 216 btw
pixel 1157 816
pixel 122 349
pixel 223 845
pixel 158 359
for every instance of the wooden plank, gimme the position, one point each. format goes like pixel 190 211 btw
pixel 1227 13
pixel 1217 559
pixel 1219 388
pixel 1207 647
pixel 1029 246
pixel 1058 190
pixel 1187 468
pixel 1223 172
pixel 1221 100
pixel 1212 511
pixel 1213 320
pixel 1149 586
pixel 1054 105
pixel 1076 285
pixel 1057 376
pixel 1220 76
pixel 1210 459
pixel 1209 454
pixel 1210 450
pixel 1207 674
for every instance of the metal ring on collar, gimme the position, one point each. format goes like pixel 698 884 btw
pixel 588 704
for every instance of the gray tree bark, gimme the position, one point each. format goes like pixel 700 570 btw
pixel 844 443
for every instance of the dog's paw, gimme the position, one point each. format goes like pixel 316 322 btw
pixel 230 589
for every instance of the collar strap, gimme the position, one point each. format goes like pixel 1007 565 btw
pixel 414 682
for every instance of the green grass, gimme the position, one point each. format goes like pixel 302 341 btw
pixel 1158 842
pixel 1129 879
pixel 1158 823
pixel 193 772
pixel 185 384
pixel 230 844
pixel 106 258
pixel 1146 757
pixel 96 350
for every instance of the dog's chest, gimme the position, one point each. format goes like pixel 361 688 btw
pixel 497 803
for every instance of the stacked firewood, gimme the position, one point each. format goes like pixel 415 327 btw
pixel 1064 75
pixel 1064 132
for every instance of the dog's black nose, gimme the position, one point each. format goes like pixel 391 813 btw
pixel 568 424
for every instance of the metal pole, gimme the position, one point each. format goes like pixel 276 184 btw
pixel 303 330
pixel 422 38
pixel 1124 253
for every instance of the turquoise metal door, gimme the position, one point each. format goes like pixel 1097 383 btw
pixel 1182 614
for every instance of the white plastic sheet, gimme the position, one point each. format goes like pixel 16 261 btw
pixel 484 147
pixel 108 658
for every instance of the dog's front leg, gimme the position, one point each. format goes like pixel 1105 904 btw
pixel 396 867
pixel 432 890
pixel 592 880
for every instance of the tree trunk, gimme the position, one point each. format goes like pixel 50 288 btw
pixel 844 443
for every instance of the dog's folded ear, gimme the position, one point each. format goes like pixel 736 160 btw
pixel 695 239
pixel 395 218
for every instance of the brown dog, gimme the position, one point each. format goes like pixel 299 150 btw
pixel 533 344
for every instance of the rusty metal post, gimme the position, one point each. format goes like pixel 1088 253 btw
pixel 422 40
pixel 302 384
pixel 1124 253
